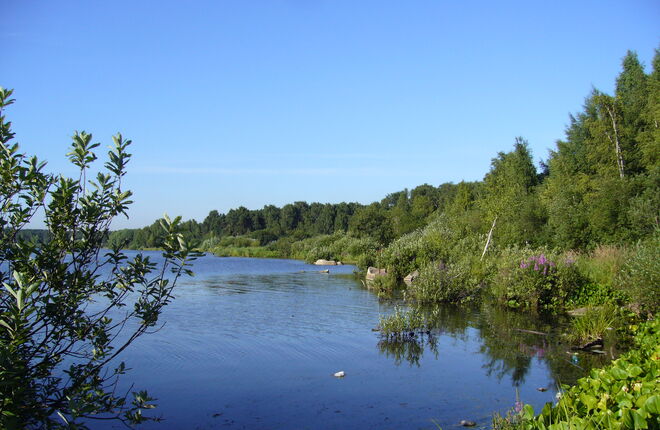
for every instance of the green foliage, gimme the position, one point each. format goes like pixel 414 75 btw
pixel 508 195
pixel 384 286
pixel 602 264
pixel 372 221
pixel 59 328
pixel 623 395
pixel 339 246
pixel 442 283
pixel 534 281
pixel 593 294
pixel 417 249
pixel 600 187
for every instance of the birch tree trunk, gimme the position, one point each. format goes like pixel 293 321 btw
pixel 490 235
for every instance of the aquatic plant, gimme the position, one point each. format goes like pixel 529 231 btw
pixel 593 324
pixel 403 324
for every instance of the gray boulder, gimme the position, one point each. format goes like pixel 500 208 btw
pixel 374 272
pixel 323 262
pixel 411 277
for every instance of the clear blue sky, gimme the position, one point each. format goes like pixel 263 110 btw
pixel 249 103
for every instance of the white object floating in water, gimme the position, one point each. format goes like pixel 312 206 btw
pixel 340 374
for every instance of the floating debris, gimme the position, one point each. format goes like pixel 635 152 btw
pixel 467 423
pixel 340 374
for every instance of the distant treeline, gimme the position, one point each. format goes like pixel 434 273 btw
pixel 395 215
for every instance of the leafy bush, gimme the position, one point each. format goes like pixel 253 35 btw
pixel 417 249
pixel 593 294
pixel 535 281
pixel 247 251
pixel 384 286
pixel 442 283
pixel 60 331
pixel 339 246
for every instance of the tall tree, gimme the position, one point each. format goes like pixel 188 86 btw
pixel 508 193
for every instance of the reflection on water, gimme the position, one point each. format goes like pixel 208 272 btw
pixel 511 343
pixel 254 343
pixel 409 349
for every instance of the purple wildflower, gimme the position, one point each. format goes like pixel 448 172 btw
pixel 518 406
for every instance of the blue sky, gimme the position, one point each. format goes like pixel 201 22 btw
pixel 249 103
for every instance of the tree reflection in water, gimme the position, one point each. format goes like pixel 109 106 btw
pixel 510 341
pixel 409 348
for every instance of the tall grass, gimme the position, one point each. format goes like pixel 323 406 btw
pixel 639 276
pixel 602 264
pixel 593 324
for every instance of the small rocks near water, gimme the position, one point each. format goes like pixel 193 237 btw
pixel 374 272
pixel 598 343
pixel 340 374
pixel 467 423
pixel 411 278
pixel 322 262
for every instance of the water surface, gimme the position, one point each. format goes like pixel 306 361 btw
pixel 253 344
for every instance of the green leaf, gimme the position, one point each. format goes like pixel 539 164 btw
pixel 626 418
pixel 618 373
pixel 10 289
pixel 639 420
pixel 528 412
pixel 588 400
pixel 5 324
pixel 652 404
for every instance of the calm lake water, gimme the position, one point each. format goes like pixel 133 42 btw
pixel 254 343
